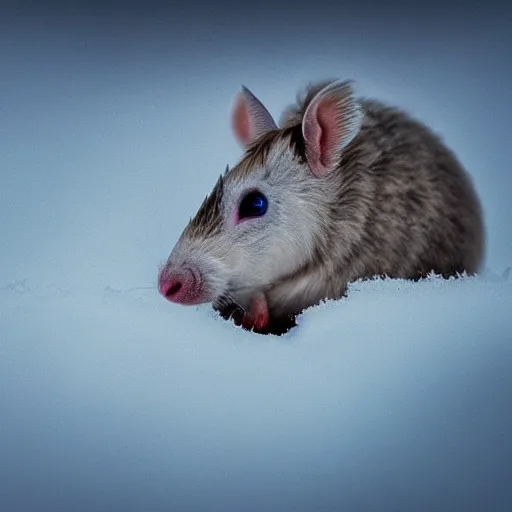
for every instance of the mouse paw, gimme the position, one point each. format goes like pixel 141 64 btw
pixel 257 316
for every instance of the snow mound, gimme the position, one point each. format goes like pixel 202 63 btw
pixel 395 398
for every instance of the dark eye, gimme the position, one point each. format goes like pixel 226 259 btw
pixel 254 204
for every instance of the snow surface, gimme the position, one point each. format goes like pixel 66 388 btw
pixel 398 398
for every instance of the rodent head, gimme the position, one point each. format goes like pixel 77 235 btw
pixel 264 219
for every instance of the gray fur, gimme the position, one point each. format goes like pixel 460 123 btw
pixel 399 204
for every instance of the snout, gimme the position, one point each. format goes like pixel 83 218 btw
pixel 181 284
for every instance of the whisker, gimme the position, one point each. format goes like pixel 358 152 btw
pixel 227 300
pixel 235 302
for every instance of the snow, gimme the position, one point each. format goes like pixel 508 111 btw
pixel 397 398
pixel 112 399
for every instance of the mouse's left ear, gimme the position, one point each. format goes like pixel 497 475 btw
pixel 250 118
pixel 332 119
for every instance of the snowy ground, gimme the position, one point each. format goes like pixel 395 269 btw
pixel 112 399
pixel 398 398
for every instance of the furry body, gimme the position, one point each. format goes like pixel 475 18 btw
pixel 394 201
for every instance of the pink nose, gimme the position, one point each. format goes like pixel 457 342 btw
pixel 181 285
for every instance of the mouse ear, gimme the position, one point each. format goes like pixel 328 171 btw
pixel 332 119
pixel 250 118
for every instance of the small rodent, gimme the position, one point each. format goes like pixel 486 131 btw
pixel 343 189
